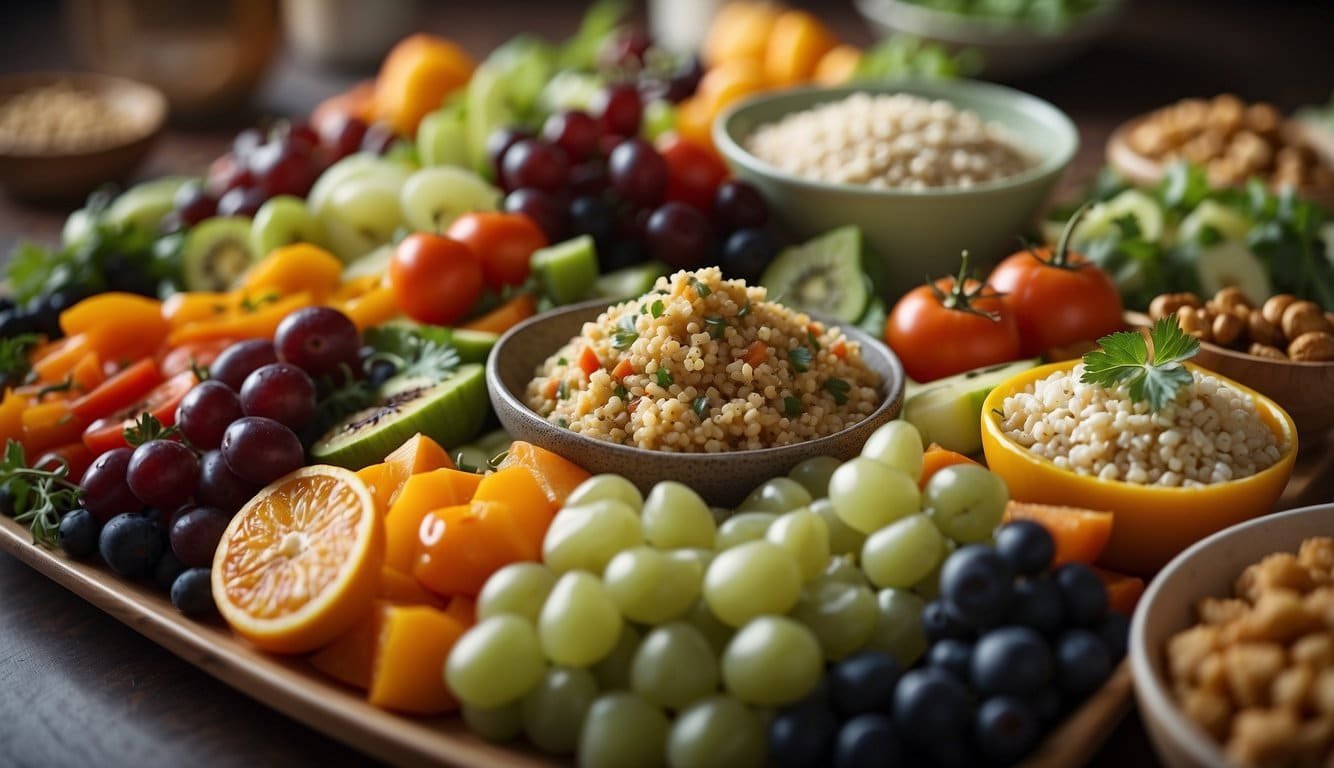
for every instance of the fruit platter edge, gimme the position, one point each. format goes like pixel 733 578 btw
pixel 295 689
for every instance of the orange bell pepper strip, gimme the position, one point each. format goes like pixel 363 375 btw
pixel 259 323
pixel 623 369
pixel 53 362
pixel 1123 590
pixel 119 326
pixel 756 353
pixel 50 424
pixel 11 416
pixel 375 307
pixel 1080 534
pixel 294 268
pixel 174 360
pixel 186 307
pixel 119 391
pixel 87 374
pixel 506 316
pixel 935 459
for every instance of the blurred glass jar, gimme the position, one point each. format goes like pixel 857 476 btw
pixel 349 34
pixel 207 57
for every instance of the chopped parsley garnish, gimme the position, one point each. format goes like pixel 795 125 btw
pixel 625 333
pixel 1156 374
pixel 838 389
pixel 800 358
pixel 716 325
pixel 700 288
pixel 700 406
pixel 664 378
pixel 813 339
pixel 562 361
pixel 792 406
pixel 745 310
pixel 563 391
pixel 14 353
pixel 621 392
pixel 657 308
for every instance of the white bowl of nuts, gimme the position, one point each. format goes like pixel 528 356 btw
pixel 1283 348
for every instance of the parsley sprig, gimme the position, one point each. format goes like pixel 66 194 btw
pixel 1152 371
pixel 40 496
pixel 14 364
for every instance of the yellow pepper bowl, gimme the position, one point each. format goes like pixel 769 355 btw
pixel 1151 524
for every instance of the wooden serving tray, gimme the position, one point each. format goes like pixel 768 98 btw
pixel 291 686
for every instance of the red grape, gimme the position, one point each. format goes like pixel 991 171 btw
pixel 542 207
pixel 106 492
pixel 343 135
pixel 219 486
pixel 193 203
pixel 620 110
pixel 227 173
pixel 241 201
pixel 205 413
pixel 499 142
pixel 247 141
pixel 624 50
pixel 283 167
pixel 685 81
pixel 260 450
pixel 319 340
pixel 195 535
pixel 535 163
pixel 588 177
pixel 378 139
pixel 282 392
pixel 301 134
pixel 240 359
pixel 738 205
pixel 163 473
pixel 679 235
pixel 638 172
pixel 574 131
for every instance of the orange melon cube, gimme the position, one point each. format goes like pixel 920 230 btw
pixel 379 479
pixel 464 609
pixel 461 546
pixel 420 494
pixel 557 475
pixel 401 588
pixel 348 658
pixel 417 454
pixel 407 673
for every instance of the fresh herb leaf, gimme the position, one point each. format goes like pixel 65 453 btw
pixel 792 406
pixel 148 428
pixel 813 339
pixel 40 496
pixel 563 390
pixel 745 310
pixel 414 352
pixel 562 423
pixel 562 361
pixel 251 304
pixel 1156 374
pixel 701 289
pixel 657 308
pixel 342 397
pixel 664 378
pixel 622 339
pixel 716 325
pixel 700 406
pixel 838 389
pixel 14 352
pixel 64 385
pixel 799 358
pixel 621 392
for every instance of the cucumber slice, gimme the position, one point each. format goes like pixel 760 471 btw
pixel 473 346
pixel 1231 263
pixel 1210 221
pixel 949 411
pixel 567 271
pixel 433 197
pixel 488 109
pixel 1101 218
pixel 217 252
pixel 823 276
pixel 374 263
pixel 144 205
pixel 873 320
pixel 630 282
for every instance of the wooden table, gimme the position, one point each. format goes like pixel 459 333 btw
pixel 81 688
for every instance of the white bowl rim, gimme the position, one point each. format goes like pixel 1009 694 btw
pixel 981 31
pixel 1149 687
pixel 892 392
pixel 944 90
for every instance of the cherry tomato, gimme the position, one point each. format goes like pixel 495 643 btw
pixel 1057 296
pixel 503 241
pixel 950 326
pixel 693 172
pixel 109 432
pixel 435 279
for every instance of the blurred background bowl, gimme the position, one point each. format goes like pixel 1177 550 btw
pixel 914 233
pixel 68 175
pixel 1208 569
pixel 721 479
pixel 1008 49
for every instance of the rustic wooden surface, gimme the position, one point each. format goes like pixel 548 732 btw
pixel 81 688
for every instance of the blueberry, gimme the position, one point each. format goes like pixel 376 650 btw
pixel 192 592
pixel 930 705
pixel 746 253
pixel 1014 660
pixel 16 321
pixel 1026 546
pixel 621 254
pixel 938 623
pixel 1048 705
pixel 166 570
pixel 867 741
pixel 863 682
pixel 78 534
pixel 1083 662
pixel 952 655
pixel 1007 728
pixel 977 585
pixel 1082 594
pixel 1115 632
pixel 1037 604
pixel 802 737
pixel 130 543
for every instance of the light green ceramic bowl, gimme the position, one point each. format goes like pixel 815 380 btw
pixel 914 233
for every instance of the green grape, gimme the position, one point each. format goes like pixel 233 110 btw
pixel 674 666
pixel 613 670
pixel 501 724
pixel 741 528
pixel 659 118
pixel 897 444
pixel 496 662
pixel 433 198
pixel 612 487
pixel 518 588
pixel 694 555
pixel 898 626
pixel 903 552
pixel 702 617
pixel 843 568
pixel 718 732
pixel 553 713
pixel 587 536
pixel 805 535
pixel 282 220
pixel 651 587
pixel 720 515
pixel 966 502
pixel 580 623
pixel 675 516
pixel 772 661
pixel 813 474
pixel 843 538
pixel 928 588
pixel 777 496
pixel 750 580
pixel 841 615
pixel 361 214
pixel 868 495
pixel 621 730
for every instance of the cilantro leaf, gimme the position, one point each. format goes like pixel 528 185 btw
pixel 415 352
pixel 1154 375
pixel 14 352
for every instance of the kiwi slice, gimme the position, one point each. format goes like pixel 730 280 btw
pixel 567 271
pixel 630 282
pixel 450 412
pixel 823 276
pixel 216 252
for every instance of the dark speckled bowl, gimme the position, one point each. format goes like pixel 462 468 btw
pixel 722 479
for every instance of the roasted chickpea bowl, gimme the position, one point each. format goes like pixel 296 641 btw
pixel 1160 507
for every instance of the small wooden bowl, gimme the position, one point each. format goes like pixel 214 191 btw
pixel 68 176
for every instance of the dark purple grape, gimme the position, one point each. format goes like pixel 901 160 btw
pixel 205 412
pixel 746 253
pixel 620 110
pixel 192 593
pixel 1083 594
pixel 260 450
pixel 535 163
pixel 738 204
pixel 1006 729
pixel 545 209
pixel 193 203
pixel 1115 632
pixel 342 136
pixel 282 392
pixel 298 134
pixel 624 50
pixel 588 178
pixel 283 167
pixel 591 216
pixel 863 682
pixel 78 533
pixel 130 543
pixel 952 655
pixel 163 473
pixel 498 143
pixel 1083 662
pixel 195 535
pixel 938 623
pixel 679 236
pixel 219 486
pixel 1037 604
pixel 930 705
pixel 621 254
pixel 801 737
pixel 241 201
pixel 1011 660
pixel 867 741
pixel 106 491
pixel 684 82
pixel 241 359
pixel 378 138
pixel 574 131
pixel 319 340
pixel 638 173
pixel 226 173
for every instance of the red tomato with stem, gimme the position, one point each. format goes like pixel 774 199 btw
pixel 435 279
pixel 503 241
pixel 1058 297
pixel 951 325
pixel 693 172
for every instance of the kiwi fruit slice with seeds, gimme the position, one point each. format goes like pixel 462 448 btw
pixel 823 276
pixel 216 252
pixel 450 412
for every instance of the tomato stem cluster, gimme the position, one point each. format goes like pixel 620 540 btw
pixel 960 298
pixel 1060 258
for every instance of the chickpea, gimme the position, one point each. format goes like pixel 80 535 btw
pixel 1262 331
pixel 1226 328
pixel 1273 308
pixel 1264 350
pixel 1231 297
pixel 1167 304
pixel 1312 346
pixel 1303 317
pixel 1196 322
